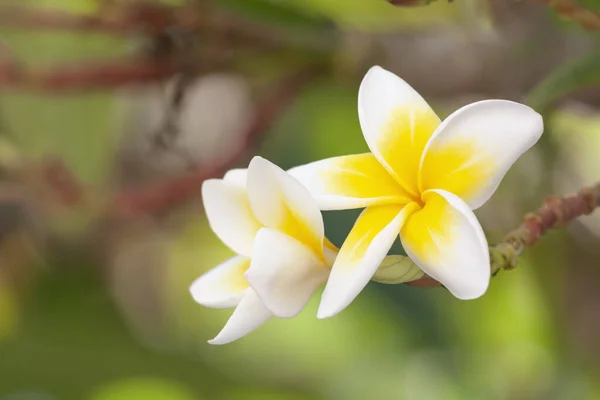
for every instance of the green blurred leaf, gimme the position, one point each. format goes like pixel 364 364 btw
pixel 144 389
pixel 8 311
pixel 568 78
pixel 274 12
pixel 378 15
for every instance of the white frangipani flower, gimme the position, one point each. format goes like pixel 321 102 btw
pixel 421 180
pixel 274 225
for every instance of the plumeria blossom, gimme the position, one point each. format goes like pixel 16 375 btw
pixel 272 223
pixel 421 180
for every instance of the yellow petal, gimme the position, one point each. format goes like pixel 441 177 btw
pixel 397 124
pixel 446 241
pixel 475 146
pixel 346 182
pixel 361 254
pixel 280 202
pixel 222 286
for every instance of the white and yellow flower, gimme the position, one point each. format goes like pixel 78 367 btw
pixel 421 180
pixel 274 225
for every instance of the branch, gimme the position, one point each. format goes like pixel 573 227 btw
pixel 571 9
pixel 132 19
pixel 108 74
pixel 556 212
pixel 144 18
pixel 177 191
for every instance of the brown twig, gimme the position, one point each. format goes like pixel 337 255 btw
pixel 571 9
pixel 135 18
pixel 556 212
pixel 143 18
pixel 174 192
pixel 108 74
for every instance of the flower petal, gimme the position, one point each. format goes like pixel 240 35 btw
pixel 249 315
pixel 237 176
pixel 446 241
pixel 365 248
pixel 471 151
pixel 282 203
pixel 342 183
pixel 396 123
pixel 222 286
pixel 229 215
pixel 284 272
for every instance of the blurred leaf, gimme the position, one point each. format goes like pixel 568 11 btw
pixel 568 78
pixel 397 269
pixel 264 394
pixel 8 311
pixel 378 15
pixel 81 6
pixel 274 12
pixel 144 389
pixel 591 4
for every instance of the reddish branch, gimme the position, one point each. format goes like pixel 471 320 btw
pixel 134 18
pixel 86 76
pixel 556 212
pixel 172 193
pixel 573 10
pixel 142 18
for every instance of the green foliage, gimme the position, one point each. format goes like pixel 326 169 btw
pixel 8 311
pixel 144 389
pixel 571 77
pixel 277 13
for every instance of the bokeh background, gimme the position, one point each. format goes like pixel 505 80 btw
pixel 113 112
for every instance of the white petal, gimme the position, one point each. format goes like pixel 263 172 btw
pixel 222 286
pixel 473 148
pixel 282 203
pixel 361 254
pixel 249 315
pixel 446 241
pixel 229 215
pixel 397 124
pixel 237 176
pixel 284 272
pixel 356 181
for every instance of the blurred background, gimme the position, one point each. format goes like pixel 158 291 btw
pixel 113 112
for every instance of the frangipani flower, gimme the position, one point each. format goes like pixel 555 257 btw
pixel 270 220
pixel 421 180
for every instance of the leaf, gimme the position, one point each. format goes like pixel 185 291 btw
pixel 144 389
pixel 397 269
pixel 568 78
pixel 379 15
pixel 274 12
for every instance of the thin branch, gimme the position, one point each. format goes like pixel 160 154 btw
pixel 556 212
pixel 145 18
pixel 107 74
pixel 174 192
pixel 136 18
pixel 571 9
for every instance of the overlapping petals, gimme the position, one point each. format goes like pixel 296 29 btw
pixel 274 225
pixel 432 175
pixel 225 286
pixel 446 241
pixel 422 180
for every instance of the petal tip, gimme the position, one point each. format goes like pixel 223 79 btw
pixel 471 292
pixel 216 342
pixel 328 308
